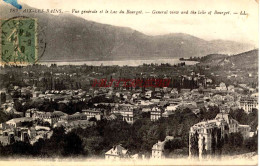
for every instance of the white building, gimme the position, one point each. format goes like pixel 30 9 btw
pixel 156 113
pixel 158 148
pixel 92 113
pixel 116 153
pixel 171 108
pixel 51 117
pixel 231 88
pixel 17 122
pixel 221 87
pixel 127 113
pixel 248 103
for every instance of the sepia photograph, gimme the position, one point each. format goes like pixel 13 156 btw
pixel 142 82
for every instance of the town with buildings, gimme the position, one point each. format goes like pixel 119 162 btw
pixel 200 114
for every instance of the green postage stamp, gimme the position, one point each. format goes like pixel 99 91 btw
pixel 19 41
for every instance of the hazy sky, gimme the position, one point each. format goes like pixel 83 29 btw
pixel 209 27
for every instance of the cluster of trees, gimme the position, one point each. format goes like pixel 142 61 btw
pixel 69 108
pixel 246 119
pixel 235 144
pixel 95 140
pixel 50 106
pixel 5 116
pixel 60 144
pixel 175 148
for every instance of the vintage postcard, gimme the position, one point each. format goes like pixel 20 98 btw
pixel 141 82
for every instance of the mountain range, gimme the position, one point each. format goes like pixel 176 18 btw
pixel 71 38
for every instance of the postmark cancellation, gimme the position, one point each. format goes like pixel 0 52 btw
pixel 20 41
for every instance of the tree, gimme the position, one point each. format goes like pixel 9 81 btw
pixel 213 141
pixel 172 145
pixel 236 139
pixel 194 138
pixel 220 142
pixel 211 113
pixel 17 148
pixel 47 124
pixel 204 152
pixel 18 106
pixel 93 119
pixel 37 147
pixel 5 117
pixel 72 145
pixel 252 143
pixel 239 115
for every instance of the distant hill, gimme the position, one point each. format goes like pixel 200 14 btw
pixel 247 59
pixel 213 58
pixel 70 38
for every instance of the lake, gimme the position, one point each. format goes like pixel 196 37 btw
pixel 120 63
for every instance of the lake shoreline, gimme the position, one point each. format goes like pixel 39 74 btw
pixel 174 61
